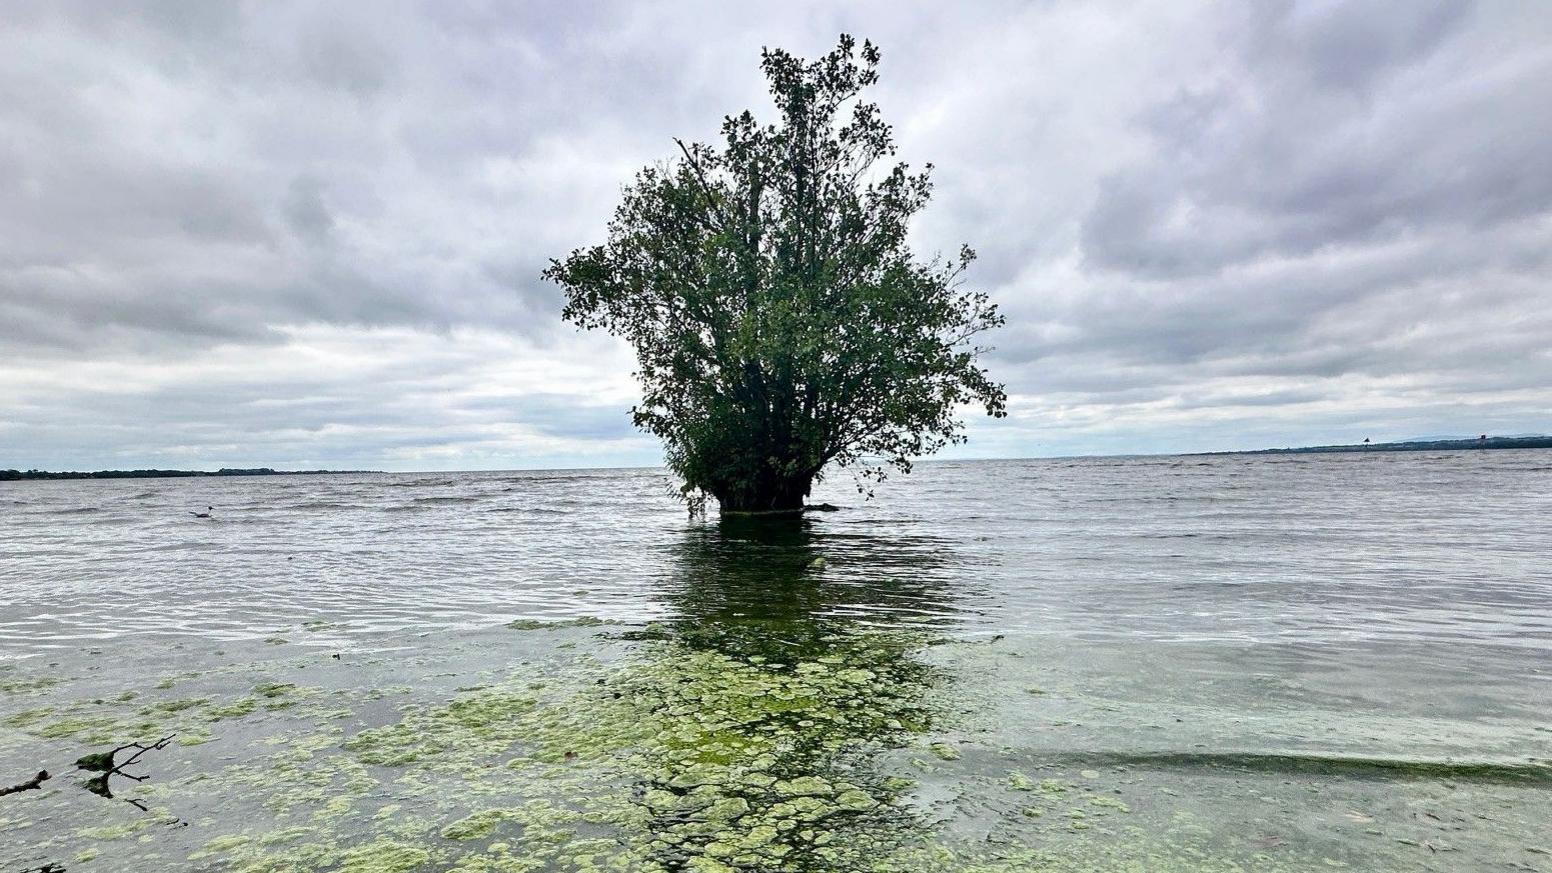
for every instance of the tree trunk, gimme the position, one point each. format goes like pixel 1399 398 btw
pixel 768 497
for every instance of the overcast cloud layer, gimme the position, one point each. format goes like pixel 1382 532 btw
pixel 310 235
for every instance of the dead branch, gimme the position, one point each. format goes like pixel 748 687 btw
pixel 30 784
pixel 105 765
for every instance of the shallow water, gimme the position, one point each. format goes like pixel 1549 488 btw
pixel 1195 663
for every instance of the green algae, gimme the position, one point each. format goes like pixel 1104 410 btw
pixel 97 761
pixel 131 828
pixel 732 745
pixel 479 825
pixel 487 721
pixel 239 708
pixel 29 685
pixel 99 722
pixel 94 729
pixel 701 752
pixel 681 758
pixel 384 856
pixel 286 835
pixel 223 844
pixel 1109 802
pixel 171 706
pixel 29 717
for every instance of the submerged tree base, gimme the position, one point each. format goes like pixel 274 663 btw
pixel 780 513
pixel 764 513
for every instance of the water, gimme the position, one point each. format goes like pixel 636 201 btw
pixel 1235 662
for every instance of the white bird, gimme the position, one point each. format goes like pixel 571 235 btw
pixel 205 514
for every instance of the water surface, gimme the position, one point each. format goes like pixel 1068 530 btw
pixel 1195 663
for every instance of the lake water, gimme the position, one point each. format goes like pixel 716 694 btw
pixel 1239 662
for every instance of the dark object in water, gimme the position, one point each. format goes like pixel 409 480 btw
pixel 822 507
pixel 103 764
pixel 205 514
pixel 1507 773
pixel 29 785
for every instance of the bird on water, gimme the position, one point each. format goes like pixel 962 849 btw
pixel 205 514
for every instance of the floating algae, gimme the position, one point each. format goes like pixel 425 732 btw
pixel 28 685
pixel 693 750
pixel 944 751
pixel 681 757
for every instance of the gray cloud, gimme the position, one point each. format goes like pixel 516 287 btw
pixel 1210 224
pixel 1365 124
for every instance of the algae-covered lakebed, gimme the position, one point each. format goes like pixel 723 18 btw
pixel 693 695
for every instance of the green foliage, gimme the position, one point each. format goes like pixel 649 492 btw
pixel 780 321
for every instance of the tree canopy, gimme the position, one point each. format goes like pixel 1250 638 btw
pixel 780 321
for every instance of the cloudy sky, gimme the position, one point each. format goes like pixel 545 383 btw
pixel 310 235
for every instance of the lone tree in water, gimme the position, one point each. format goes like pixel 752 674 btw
pixel 780 322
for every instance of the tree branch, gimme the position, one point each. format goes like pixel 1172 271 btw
pixel 700 176
pixel 35 782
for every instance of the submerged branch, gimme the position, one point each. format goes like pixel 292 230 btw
pixel 31 784
pixel 104 764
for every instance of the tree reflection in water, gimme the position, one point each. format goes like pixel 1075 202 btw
pixel 776 701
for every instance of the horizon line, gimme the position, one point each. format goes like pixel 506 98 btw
pixel 1312 449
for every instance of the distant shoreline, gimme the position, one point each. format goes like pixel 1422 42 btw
pixel 1534 442
pixel 1527 442
pixel 27 475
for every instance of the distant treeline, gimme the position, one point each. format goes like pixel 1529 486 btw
pixel 17 475
pixel 1526 442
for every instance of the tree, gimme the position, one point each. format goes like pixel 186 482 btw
pixel 780 321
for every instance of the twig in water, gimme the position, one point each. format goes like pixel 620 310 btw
pixel 30 784
pixel 104 764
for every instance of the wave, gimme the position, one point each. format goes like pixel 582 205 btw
pixel 557 477
pixel 1532 772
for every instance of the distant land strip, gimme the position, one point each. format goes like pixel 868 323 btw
pixel 1520 442
pixel 1523 442
pixel 18 475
